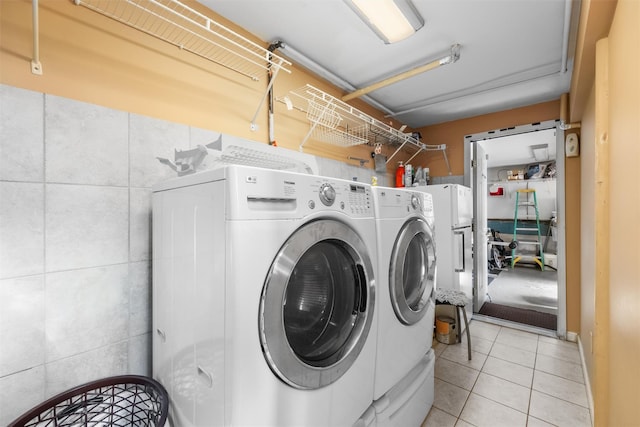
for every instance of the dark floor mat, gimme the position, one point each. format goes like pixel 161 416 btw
pixel 520 315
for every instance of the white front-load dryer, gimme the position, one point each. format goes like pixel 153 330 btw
pixel 406 283
pixel 263 299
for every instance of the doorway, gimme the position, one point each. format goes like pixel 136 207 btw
pixel 515 281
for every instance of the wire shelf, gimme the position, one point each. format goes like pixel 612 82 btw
pixel 335 122
pixel 323 114
pixel 236 151
pixel 342 137
pixel 184 27
pixel 234 155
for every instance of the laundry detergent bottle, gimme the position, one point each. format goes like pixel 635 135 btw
pixel 400 175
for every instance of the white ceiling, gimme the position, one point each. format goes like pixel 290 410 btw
pixel 513 52
pixel 519 149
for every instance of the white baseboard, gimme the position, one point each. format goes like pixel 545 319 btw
pixel 585 374
pixel 572 336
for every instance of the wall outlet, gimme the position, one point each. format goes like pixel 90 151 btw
pixel 572 146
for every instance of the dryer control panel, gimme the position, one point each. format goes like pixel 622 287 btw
pixel 399 203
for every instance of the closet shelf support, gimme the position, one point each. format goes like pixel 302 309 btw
pixel 36 66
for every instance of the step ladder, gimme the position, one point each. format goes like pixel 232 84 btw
pixel 517 228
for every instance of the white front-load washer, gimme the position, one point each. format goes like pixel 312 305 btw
pixel 263 298
pixel 406 283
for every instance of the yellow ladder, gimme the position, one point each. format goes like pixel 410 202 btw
pixel 515 257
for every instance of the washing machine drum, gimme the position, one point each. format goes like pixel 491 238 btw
pixel 412 271
pixel 317 304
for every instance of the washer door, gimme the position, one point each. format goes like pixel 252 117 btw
pixel 317 304
pixel 412 271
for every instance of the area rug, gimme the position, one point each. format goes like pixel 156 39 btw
pixel 520 315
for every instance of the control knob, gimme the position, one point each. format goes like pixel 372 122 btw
pixel 327 194
pixel 415 202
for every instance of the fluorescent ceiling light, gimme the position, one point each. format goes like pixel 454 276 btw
pixel 391 20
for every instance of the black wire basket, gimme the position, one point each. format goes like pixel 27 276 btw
pixel 127 400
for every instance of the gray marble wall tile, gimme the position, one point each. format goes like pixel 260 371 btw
pixel 20 392
pixel 140 355
pixel 21 134
pixel 448 179
pixel 82 368
pixel 21 324
pixel 21 229
pixel 198 136
pixel 150 138
pixel 85 143
pixel 139 298
pixel 86 309
pixel 139 224
pixel 86 226
pixel 335 169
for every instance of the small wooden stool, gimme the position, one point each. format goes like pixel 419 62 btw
pixel 458 300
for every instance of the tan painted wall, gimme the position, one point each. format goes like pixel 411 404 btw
pixel 587 230
pixel 624 213
pixel 573 242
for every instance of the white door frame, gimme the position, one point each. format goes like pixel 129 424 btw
pixel 560 195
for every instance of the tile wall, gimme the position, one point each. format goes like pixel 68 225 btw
pixel 75 212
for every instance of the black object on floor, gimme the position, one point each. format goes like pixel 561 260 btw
pixel 126 400
pixel 520 315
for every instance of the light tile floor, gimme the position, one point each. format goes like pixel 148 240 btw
pixel 515 378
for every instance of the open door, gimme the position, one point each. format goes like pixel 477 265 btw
pixel 479 186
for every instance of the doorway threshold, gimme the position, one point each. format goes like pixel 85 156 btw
pixel 515 325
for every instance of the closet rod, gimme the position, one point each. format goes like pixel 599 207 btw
pixel 36 66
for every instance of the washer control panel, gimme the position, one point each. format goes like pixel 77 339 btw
pixel 266 193
pixel 346 196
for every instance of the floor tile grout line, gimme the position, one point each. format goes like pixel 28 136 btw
pixel 456 385
pixel 505 379
pixel 559 359
pixel 494 401
pixel 519 364
pixel 560 376
pixel 533 375
pixel 559 398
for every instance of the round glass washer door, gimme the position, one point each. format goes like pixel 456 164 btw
pixel 317 304
pixel 412 271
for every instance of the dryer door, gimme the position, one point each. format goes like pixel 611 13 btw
pixel 412 271
pixel 317 304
